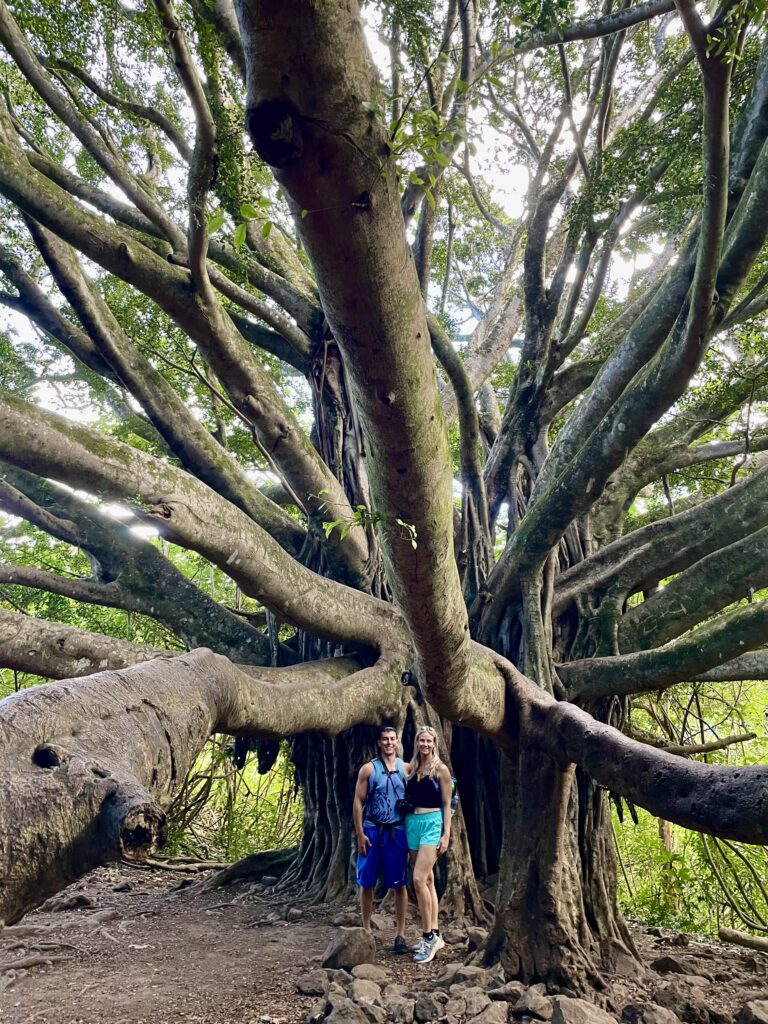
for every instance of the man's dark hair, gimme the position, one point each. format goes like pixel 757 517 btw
pixel 385 727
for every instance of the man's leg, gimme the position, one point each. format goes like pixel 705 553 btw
pixel 401 909
pixel 366 907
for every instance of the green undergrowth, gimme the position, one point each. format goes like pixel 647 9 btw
pixel 671 877
pixel 224 812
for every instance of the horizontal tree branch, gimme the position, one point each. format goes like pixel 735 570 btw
pixel 644 557
pixel 132 572
pixel 730 634
pixel 44 648
pixel 192 514
pixel 105 755
pixel 690 749
pixel 717 580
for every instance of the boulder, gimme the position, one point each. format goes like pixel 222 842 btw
pixel 578 1011
pixel 400 1009
pixel 445 980
pixel 268 880
pixel 533 1003
pixel 475 938
pixel 293 914
pixel 687 996
pixel 364 991
pixel 668 965
pixel 466 974
pixel 318 1012
pixel 427 1008
pixel 313 984
pixel 475 1000
pixel 509 992
pixel 648 1013
pixel 344 1011
pixel 396 991
pixel 455 1007
pixel 753 1012
pixel 352 946
pixel 375 1014
pixel 371 972
pixel 494 1013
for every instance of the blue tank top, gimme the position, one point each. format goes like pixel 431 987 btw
pixel 384 790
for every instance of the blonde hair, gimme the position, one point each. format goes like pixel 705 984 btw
pixel 416 760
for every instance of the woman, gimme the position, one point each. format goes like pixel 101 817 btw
pixel 428 830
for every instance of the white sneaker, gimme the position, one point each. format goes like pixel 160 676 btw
pixel 431 946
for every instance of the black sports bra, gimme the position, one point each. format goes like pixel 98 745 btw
pixel 424 792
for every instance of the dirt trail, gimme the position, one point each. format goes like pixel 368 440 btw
pixel 142 951
pixel 128 946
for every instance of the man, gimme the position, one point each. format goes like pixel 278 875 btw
pixel 382 848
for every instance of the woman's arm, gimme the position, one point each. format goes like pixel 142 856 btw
pixel 446 792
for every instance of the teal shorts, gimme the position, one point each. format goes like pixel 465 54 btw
pixel 424 829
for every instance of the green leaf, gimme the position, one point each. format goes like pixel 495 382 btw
pixel 430 198
pixel 240 234
pixel 303 214
pixel 215 221
pixel 414 179
pixel 266 228
pixel 441 158
pixel 249 212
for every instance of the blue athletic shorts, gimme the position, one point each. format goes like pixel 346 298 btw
pixel 387 857
pixel 424 829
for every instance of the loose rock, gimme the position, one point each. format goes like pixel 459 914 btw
pixel 753 1012
pixel 534 1003
pixel 344 1011
pixel 475 1000
pixel 578 1011
pixel 475 938
pixel 352 946
pixel 496 1013
pixel 364 991
pixel 648 1013
pixel 427 1008
pixel 371 972
pixel 313 984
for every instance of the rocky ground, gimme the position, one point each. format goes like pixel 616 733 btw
pixel 129 946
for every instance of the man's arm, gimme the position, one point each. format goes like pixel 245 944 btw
pixel 361 792
pixel 446 792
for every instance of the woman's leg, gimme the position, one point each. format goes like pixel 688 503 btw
pixel 424 885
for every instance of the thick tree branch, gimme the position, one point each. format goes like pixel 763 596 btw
pixel 249 385
pixel 111 781
pixel 186 437
pixel 195 516
pixel 355 237
pixel 646 556
pixel 131 572
pixel 51 649
pixel 730 634
pixel 728 575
